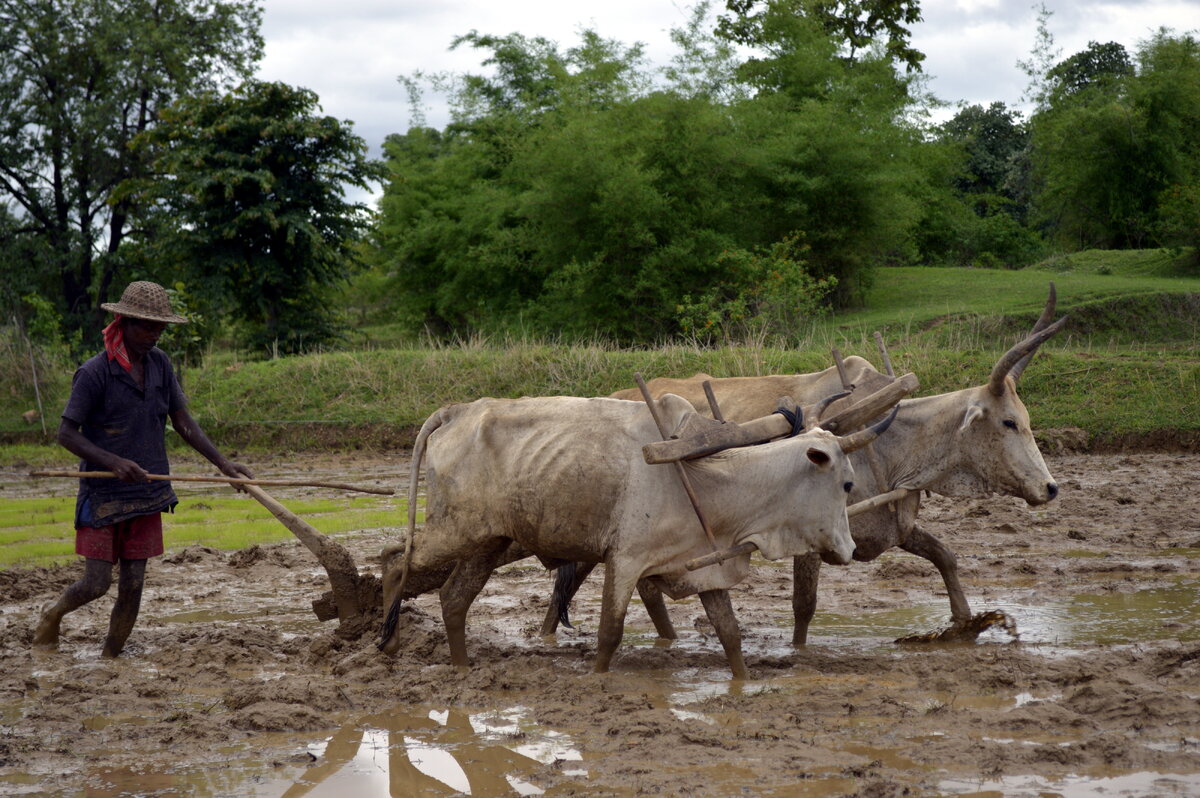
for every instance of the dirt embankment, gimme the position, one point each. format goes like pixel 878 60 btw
pixel 230 686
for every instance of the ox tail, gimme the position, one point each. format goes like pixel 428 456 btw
pixel 390 621
pixel 564 580
pixel 414 478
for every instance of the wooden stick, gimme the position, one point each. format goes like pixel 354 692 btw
pixel 875 501
pixel 720 556
pixel 227 480
pixel 683 477
pixel 883 353
pixel 870 454
pixel 712 401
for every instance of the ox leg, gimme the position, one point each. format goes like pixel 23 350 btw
pixel 719 609
pixel 618 590
pixel 923 544
pixel 806 571
pixel 550 623
pixel 656 608
pixel 457 595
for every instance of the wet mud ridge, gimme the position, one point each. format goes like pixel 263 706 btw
pixel 231 686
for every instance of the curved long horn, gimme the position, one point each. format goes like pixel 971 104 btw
pixel 816 411
pixel 863 437
pixel 1013 356
pixel 1042 323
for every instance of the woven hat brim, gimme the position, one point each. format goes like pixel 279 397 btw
pixel 138 313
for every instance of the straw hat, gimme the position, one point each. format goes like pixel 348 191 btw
pixel 145 300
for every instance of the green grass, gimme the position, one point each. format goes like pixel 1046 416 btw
pixel 1127 363
pixel 37 532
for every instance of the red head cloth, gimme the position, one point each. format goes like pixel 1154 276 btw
pixel 114 343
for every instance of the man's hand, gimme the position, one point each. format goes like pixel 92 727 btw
pixel 127 470
pixel 235 470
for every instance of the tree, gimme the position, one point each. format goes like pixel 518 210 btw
pixel 993 139
pixel 1113 142
pixel 855 24
pixel 78 80
pixel 1099 68
pixel 614 205
pixel 248 188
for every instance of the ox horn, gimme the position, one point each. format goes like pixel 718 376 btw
pixel 1024 349
pixel 856 441
pixel 823 405
pixel 1042 323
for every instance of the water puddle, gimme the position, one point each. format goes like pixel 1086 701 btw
pixel 1146 783
pixel 1162 613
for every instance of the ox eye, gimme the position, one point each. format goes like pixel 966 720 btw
pixel 1008 422
pixel 849 486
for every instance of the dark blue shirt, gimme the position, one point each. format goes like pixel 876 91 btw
pixel 118 416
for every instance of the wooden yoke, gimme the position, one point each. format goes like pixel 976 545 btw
pixel 700 437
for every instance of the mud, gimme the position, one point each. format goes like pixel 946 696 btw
pixel 231 686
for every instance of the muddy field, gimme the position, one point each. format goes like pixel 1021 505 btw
pixel 230 686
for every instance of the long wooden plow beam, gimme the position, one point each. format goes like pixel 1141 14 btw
pixel 337 561
pixel 226 480
pixel 760 430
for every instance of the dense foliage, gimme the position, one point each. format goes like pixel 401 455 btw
pixel 580 192
pixel 1116 146
pixel 248 196
pixel 765 174
pixel 78 80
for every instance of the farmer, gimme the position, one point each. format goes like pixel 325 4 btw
pixel 115 420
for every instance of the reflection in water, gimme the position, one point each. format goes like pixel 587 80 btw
pixel 448 752
pixel 1091 618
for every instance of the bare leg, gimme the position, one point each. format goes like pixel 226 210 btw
pixel 618 590
pixel 125 610
pixel 457 594
pixel 719 609
pixel 923 544
pixel 656 607
pixel 805 572
pixel 97 577
pixel 582 569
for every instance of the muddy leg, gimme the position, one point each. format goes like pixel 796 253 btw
pixel 719 609
pixel 97 577
pixel 805 573
pixel 923 544
pixel 125 610
pixel 582 569
pixel 457 594
pixel 656 607
pixel 618 590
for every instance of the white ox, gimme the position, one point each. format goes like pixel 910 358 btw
pixel 565 479
pixel 968 443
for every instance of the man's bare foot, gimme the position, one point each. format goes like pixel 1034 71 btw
pixel 46 634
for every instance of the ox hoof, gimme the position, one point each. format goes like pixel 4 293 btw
pixel 966 631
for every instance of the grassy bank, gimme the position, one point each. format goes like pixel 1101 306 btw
pixel 1125 369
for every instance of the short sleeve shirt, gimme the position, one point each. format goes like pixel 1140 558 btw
pixel 118 416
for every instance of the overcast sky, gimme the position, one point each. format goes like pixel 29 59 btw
pixel 350 52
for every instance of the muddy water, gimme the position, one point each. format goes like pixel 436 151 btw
pixel 231 687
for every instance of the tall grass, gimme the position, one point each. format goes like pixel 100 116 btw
pixel 1126 364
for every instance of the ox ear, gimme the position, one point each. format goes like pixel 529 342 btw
pixel 819 458
pixel 973 414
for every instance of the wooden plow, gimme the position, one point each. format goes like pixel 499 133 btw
pixel 352 593
pixel 699 437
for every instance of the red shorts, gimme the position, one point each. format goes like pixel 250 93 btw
pixel 137 538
